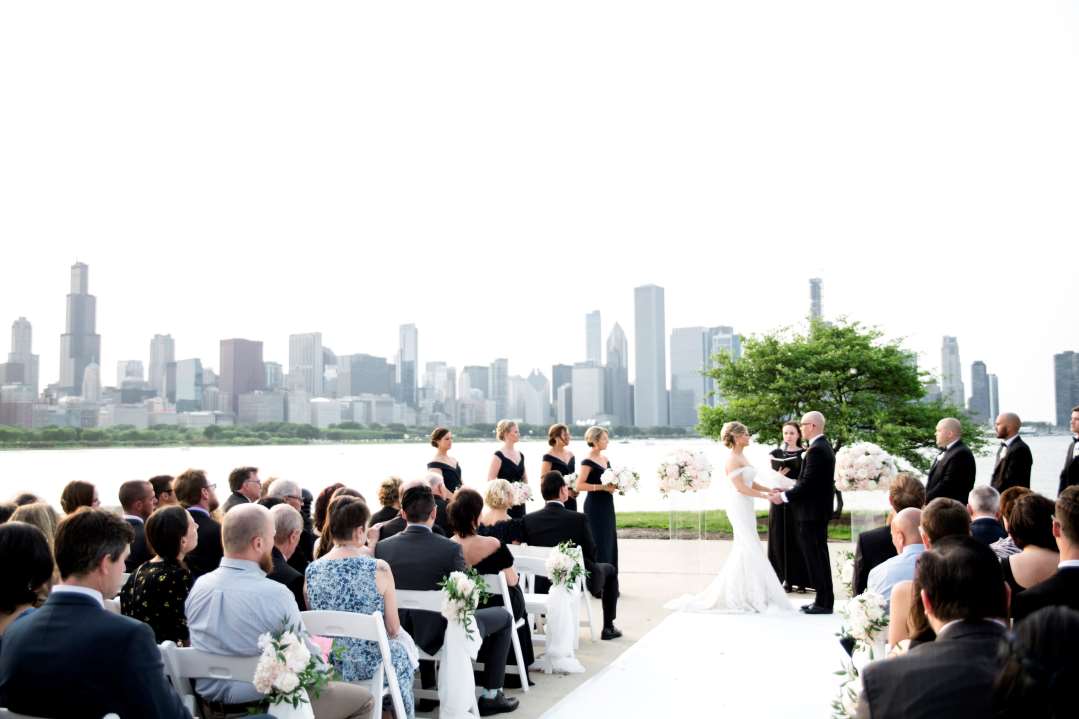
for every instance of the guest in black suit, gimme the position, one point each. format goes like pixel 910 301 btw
pixel 1039 670
pixel 196 495
pixel 162 485
pixel 419 560
pixel 554 524
pixel 983 503
pixel 138 500
pixel 288 525
pixel 966 602
pixel 811 500
pixel 71 657
pixel 442 497
pixel 875 546
pixel 1069 476
pixel 1014 460
pixel 952 473
pixel 290 493
pixel 245 485
pixel 1061 589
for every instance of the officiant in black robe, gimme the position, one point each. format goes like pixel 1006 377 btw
pixel 784 548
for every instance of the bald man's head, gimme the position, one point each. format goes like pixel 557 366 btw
pixel 905 528
pixel 812 424
pixel 247 532
pixel 948 430
pixel 1007 425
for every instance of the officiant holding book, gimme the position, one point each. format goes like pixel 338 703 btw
pixel 784 549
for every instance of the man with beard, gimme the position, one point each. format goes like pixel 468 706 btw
pixel 195 493
pixel 231 606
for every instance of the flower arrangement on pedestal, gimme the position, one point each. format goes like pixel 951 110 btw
pixel 684 471
pixel 863 466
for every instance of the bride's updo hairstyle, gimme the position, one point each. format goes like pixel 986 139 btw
pixel 730 431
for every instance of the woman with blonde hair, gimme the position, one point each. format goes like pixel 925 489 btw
pixel 41 515
pixel 495 520
pixel 508 463
pixel 599 504
pixel 560 459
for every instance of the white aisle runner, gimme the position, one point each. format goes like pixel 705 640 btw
pixel 718 665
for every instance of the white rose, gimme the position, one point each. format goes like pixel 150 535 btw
pixel 266 672
pixel 286 682
pixel 672 471
pixel 297 657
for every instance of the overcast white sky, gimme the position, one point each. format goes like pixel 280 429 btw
pixel 491 171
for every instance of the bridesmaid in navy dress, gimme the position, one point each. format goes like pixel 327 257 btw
pixel 443 463
pixel 560 459
pixel 599 504
pixel 508 463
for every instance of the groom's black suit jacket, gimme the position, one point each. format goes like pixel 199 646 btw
pixel 952 474
pixel 811 496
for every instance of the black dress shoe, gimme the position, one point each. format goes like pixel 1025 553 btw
pixel 814 609
pixel 787 587
pixel 498 705
pixel 611 632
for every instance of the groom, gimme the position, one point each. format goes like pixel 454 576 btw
pixel 811 500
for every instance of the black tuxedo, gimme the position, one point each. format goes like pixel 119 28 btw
pixel 207 555
pixel 305 552
pixel 234 499
pixel 874 547
pixel 987 530
pixel 1069 476
pixel 140 551
pixel 397 525
pixel 949 677
pixel 1013 469
pixel 554 524
pixel 1061 589
pixel 811 500
pixel 385 514
pixel 952 474
pixel 419 560
pixel 286 574
pixel 73 659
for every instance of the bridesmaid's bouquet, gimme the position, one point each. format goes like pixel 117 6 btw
pixel 462 592
pixel 684 471
pixel 571 480
pixel 287 671
pixel 521 492
pixel 863 466
pixel 623 478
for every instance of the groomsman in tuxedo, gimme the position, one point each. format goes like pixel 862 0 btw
pixel 952 473
pixel 811 500
pixel 1069 476
pixel 1012 468
pixel 1061 589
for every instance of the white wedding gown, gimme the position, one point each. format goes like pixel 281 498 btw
pixel 746 583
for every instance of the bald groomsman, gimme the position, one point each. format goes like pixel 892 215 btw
pixel 1012 468
pixel 952 473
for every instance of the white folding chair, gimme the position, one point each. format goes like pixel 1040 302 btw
pixel 426 601
pixel 498 581
pixel 6 714
pixel 371 627
pixel 186 663
pixel 531 562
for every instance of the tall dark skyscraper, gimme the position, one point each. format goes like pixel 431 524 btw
pixel 980 403
pixel 616 383
pixel 560 374
pixel 80 345
pixel 241 370
pixel 408 364
pixel 1066 377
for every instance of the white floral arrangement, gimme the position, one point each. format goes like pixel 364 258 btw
pixel 571 480
pixel 865 617
pixel 564 564
pixel 522 493
pixel 462 592
pixel 845 706
pixel 287 672
pixel 684 471
pixel 863 466
pixel 623 479
pixel 844 573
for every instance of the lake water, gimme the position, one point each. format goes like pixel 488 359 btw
pixel 363 466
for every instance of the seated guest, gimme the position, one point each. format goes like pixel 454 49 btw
pixel 966 601
pixel 26 498
pixel 554 524
pixel 138 501
pixel 196 494
pixel 1061 589
pixel 230 607
pixel 288 524
pixel 397 524
pixel 489 555
pixel 875 545
pixel 389 496
pixel 325 539
pixel 28 566
pixel 419 560
pixel 245 485
pixel 1039 667
pixel 349 579
pixel 78 494
pixel 908 542
pixel 1030 525
pixel 162 485
pixel 322 506
pixel 290 493
pixel 942 517
pixel 42 516
pixel 495 520
pixel 71 657
pixel 442 497
pixel 155 593
pixel 269 502
pixel 6 510
pixel 264 489
pixel 983 503
pixel 1006 547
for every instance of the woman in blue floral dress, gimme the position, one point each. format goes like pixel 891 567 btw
pixel 348 579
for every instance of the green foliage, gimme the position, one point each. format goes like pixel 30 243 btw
pixel 868 390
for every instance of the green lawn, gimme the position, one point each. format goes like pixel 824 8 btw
pixel 716 524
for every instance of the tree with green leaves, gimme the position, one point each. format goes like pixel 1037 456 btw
pixel 868 388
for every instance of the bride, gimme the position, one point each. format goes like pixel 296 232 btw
pixel 747 582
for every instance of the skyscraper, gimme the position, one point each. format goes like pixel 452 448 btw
pixel 500 386
pixel 305 362
pixel 1066 381
pixel 22 352
pixel 364 374
pixel 650 387
pixel 588 393
pixel 994 398
pixel 722 340
pixel 91 383
pixel 241 371
pixel 275 375
pixel 560 374
pixel 979 393
pixel 690 347
pixel 407 366
pixel 80 345
pixel 188 385
pixel 128 370
pixel 951 373
pixel 814 299
pixel 162 352
pixel 475 379
pixel 616 382
pixel 593 338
